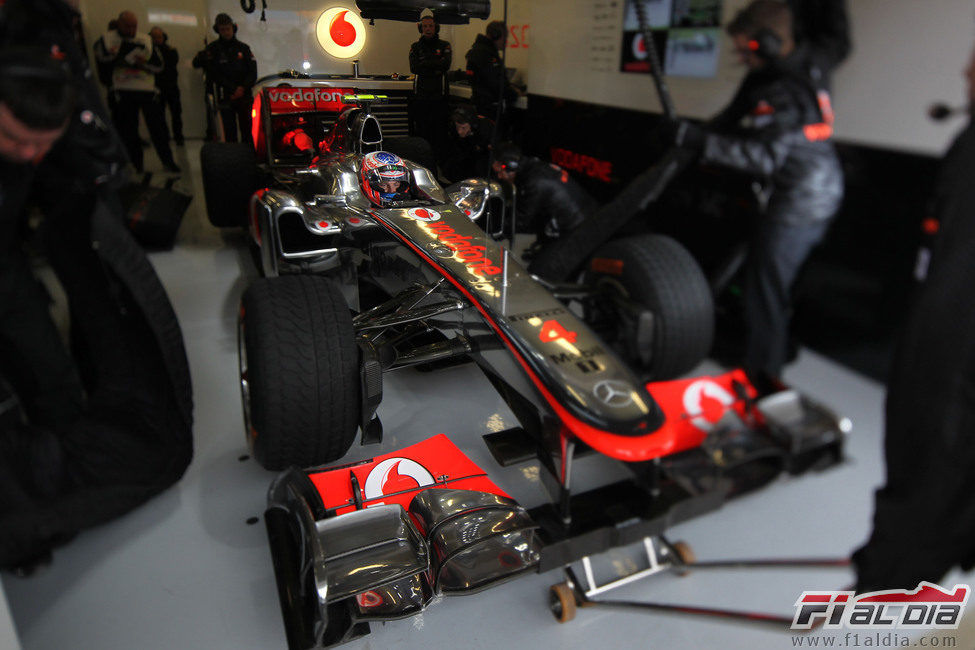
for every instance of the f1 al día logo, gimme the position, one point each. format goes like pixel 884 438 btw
pixel 927 607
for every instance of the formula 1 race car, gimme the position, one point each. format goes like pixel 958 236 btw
pixel 371 266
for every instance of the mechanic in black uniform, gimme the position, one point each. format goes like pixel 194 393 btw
pixel 71 461
pixel 490 88
pixel 232 70
pixel 468 148
pixel 548 203
pixel 36 102
pixel 924 515
pixel 778 126
pixel 104 70
pixel 167 81
pixel 430 58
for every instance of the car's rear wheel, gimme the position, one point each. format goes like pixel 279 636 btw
pixel 654 297
pixel 299 371
pixel 230 177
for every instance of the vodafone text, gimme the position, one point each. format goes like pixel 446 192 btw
pixel 305 95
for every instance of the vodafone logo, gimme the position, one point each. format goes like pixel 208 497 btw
pixel 639 47
pixel 696 403
pixel 423 214
pixel 395 475
pixel 340 32
pixel 295 95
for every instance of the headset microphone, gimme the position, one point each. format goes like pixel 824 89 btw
pixel 941 111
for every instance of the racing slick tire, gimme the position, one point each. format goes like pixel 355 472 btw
pixel 299 371
pixel 655 273
pixel 414 149
pixel 230 177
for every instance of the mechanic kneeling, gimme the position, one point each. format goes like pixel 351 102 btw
pixel 548 202
pixel 109 425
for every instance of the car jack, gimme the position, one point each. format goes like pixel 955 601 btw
pixel 662 555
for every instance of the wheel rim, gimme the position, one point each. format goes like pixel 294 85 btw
pixel 245 391
pixel 555 604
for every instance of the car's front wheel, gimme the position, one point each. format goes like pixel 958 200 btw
pixel 299 371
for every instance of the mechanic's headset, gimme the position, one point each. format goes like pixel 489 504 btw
pixel 766 44
pixel 436 24
pixel 217 21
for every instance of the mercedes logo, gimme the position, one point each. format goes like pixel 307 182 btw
pixel 440 250
pixel 611 392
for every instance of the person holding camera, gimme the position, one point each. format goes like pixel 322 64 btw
pixel 135 62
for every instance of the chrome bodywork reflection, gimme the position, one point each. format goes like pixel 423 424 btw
pixel 477 539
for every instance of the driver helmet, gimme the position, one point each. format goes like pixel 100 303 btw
pixel 385 178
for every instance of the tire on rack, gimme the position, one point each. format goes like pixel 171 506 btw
pixel 656 273
pixel 299 371
pixel 414 149
pixel 230 177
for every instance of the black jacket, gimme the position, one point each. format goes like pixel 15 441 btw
pixel 429 60
pixel 166 81
pixel 488 81
pixel 778 126
pixel 927 502
pixel 548 203
pixel 228 64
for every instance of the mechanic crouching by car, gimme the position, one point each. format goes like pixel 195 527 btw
pixel 231 71
pixel 778 127
pixel 85 435
pixel 548 203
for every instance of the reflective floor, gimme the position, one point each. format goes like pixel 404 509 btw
pixel 191 569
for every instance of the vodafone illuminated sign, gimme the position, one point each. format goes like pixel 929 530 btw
pixel 340 32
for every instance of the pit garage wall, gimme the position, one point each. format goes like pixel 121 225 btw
pixel 907 54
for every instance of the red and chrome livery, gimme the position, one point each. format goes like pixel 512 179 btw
pixel 355 287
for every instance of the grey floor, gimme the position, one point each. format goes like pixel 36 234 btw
pixel 188 570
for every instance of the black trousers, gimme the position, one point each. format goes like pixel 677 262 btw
pixel 32 356
pixel 429 118
pixel 777 251
pixel 237 115
pixel 170 100
pixel 130 103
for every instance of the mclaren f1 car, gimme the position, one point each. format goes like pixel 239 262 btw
pixel 370 266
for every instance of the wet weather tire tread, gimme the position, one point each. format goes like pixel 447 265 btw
pixel 302 371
